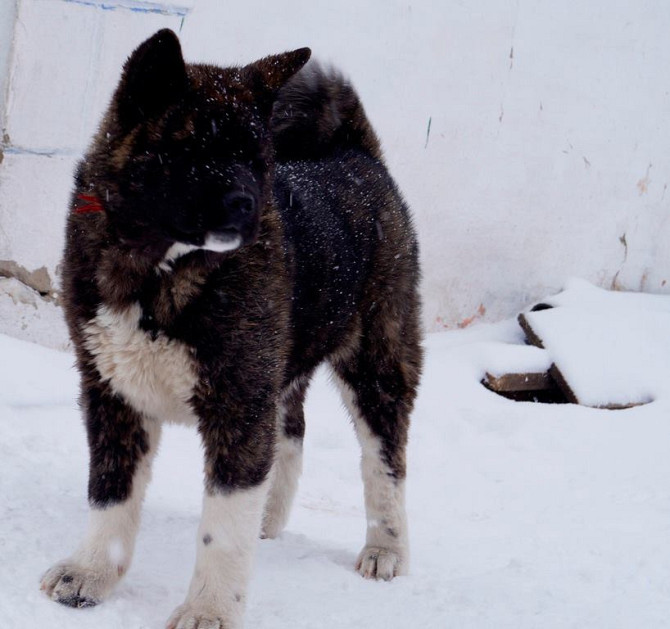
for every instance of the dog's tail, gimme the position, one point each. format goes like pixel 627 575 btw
pixel 317 114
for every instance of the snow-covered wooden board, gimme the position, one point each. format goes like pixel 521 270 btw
pixel 520 373
pixel 608 349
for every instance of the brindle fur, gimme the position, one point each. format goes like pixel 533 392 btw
pixel 327 272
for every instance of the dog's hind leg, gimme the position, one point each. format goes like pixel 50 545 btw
pixel 287 465
pixel 378 383
pixel 122 446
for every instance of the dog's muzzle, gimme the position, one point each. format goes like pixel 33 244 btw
pixel 239 225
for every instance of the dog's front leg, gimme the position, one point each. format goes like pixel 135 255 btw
pixel 238 457
pixel 122 444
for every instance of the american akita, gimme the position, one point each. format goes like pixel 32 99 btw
pixel 230 230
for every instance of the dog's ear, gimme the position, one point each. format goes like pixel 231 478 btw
pixel 269 74
pixel 154 77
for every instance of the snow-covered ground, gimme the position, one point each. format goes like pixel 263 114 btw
pixel 522 515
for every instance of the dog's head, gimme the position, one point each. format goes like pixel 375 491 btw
pixel 185 150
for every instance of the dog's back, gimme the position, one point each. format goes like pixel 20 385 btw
pixel 349 239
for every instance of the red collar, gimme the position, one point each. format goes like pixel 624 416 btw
pixel 87 204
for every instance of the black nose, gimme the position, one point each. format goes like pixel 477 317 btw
pixel 239 205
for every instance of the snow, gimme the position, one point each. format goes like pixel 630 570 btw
pixel 24 314
pixel 612 348
pixel 521 515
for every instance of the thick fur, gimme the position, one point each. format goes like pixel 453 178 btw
pixel 243 230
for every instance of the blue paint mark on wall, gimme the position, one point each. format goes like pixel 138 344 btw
pixel 136 6
pixel 42 152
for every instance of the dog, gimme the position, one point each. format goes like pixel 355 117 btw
pixel 230 230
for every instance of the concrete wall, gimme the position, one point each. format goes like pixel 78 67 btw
pixel 530 138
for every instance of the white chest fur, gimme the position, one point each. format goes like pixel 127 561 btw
pixel 155 376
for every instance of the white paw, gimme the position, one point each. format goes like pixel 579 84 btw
pixel 375 562
pixel 272 526
pixel 76 586
pixel 198 616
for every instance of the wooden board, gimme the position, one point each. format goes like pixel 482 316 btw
pixel 519 382
pixel 525 387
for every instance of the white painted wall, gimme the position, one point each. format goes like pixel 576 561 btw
pixel 548 150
